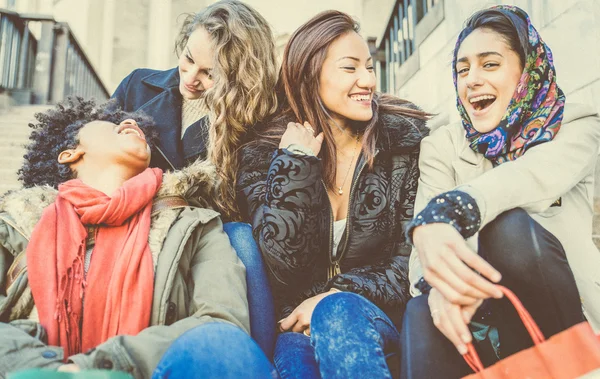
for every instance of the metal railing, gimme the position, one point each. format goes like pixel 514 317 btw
pixel 17 52
pixel 46 67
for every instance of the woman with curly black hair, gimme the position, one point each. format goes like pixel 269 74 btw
pixel 103 264
pixel 58 130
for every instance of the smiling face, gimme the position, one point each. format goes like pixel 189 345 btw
pixel 347 80
pixel 195 65
pixel 488 72
pixel 103 142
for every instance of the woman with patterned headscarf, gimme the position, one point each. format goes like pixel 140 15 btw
pixel 505 196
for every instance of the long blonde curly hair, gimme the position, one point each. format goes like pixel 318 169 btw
pixel 243 94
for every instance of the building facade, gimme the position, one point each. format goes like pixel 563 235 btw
pixel 415 48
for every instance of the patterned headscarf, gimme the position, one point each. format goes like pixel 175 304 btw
pixel 534 115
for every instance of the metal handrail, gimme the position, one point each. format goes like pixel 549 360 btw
pixel 46 70
pixel 17 52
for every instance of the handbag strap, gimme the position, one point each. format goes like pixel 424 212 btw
pixel 472 358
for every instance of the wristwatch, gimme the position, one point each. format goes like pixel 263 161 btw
pixel 299 149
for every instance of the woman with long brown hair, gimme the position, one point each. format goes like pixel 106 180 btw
pixel 328 184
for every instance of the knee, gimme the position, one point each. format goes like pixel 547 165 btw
pixel 505 228
pixel 209 333
pixel 508 242
pixel 516 244
pixel 337 311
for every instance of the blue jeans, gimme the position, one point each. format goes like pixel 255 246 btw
pixel 260 300
pixel 350 338
pixel 214 350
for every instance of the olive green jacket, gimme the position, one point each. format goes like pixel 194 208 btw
pixel 198 279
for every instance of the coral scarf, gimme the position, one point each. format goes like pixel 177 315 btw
pixel 535 112
pixel 119 284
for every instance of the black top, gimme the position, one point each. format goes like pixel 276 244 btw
pixel 283 196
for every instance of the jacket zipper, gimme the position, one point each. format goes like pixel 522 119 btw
pixel 334 266
pixel 329 272
pixel 166 159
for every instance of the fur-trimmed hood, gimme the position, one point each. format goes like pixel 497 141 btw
pixel 194 183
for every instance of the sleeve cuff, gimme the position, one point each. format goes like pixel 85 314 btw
pixel 456 208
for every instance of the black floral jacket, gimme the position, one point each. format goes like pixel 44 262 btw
pixel 283 196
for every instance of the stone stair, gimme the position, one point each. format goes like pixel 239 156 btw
pixel 14 134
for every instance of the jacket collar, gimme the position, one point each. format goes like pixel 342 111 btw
pixel 165 109
pixel 163 79
pixel 398 133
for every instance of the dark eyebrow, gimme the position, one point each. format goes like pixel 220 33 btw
pixel 354 58
pixel 480 55
pixel 189 52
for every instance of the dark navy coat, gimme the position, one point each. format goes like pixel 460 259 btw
pixel 156 93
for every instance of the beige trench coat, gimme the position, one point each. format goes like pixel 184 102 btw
pixel 563 168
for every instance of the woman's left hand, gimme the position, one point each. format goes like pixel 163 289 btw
pixel 299 320
pixel 452 319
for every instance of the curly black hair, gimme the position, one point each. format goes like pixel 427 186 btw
pixel 58 129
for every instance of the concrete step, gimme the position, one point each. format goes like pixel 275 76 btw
pixel 14 135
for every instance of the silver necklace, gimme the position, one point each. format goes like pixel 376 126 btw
pixel 340 191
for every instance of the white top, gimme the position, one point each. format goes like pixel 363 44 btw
pixel 338 230
pixel 191 111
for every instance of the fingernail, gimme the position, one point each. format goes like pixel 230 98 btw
pixel 499 294
pixel 466 338
pixel 496 277
pixel 462 349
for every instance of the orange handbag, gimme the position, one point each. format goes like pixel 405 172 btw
pixel 572 353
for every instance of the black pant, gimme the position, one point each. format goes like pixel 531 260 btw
pixel 533 265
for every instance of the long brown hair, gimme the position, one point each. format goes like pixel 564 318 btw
pixel 298 87
pixel 243 94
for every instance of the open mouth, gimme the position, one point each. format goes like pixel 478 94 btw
pixel 131 129
pixel 482 102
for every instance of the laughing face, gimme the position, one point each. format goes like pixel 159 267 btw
pixel 195 65
pixel 103 141
pixel 347 80
pixel 488 72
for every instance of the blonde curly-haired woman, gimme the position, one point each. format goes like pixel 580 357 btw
pixel 223 84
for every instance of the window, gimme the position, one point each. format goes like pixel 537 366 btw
pixel 401 38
